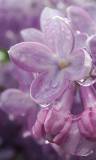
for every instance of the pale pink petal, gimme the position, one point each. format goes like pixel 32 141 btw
pixel 31 56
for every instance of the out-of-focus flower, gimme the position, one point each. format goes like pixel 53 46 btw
pixel 16 15
pixel 7 80
pixel 17 105
pixel 13 145
pixel 11 76
pixel 51 55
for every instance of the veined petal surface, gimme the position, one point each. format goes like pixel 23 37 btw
pixel 80 65
pixel 32 35
pixel 31 56
pixel 79 18
pixel 48 86
pixel 47 14
pixel 59 36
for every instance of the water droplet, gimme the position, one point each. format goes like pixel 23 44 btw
pixel 44 105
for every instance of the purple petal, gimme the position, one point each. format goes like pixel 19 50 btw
pixel 79 18
pixel 30 56
pixel 59 114
pixel 87 123
pixel 64 133
pixel 38 128
pixel 32 35
pixel 47 14
pixel 80 40
pixel 48 86
pixel 59 36
pixel 91 9
pixel 88 95
pixel 81 147
pixel 16 103
pixel 80 66
pixel 88 117
pixel 24 78
pixel 90 80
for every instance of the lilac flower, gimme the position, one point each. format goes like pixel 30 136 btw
pixel 52 57
pixel 13 77
pixel 16 15
pixel 18 105
pixel 59 126
pixel 85 33
pixel 54 123
pixel 7 80
pixel 88 118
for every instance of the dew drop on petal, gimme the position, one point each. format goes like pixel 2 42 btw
pixel 44 105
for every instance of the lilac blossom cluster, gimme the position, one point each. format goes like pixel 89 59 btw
pixel 52 96
pixel 61 57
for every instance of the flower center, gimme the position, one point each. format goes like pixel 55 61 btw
pixel 63 64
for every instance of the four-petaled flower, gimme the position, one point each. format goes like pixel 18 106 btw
pixel 52 57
